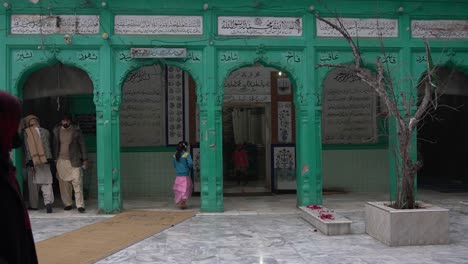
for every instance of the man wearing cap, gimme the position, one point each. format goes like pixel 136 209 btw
pixel 38 159
pixel 72 156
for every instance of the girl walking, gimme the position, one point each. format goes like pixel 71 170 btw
pixel 183 184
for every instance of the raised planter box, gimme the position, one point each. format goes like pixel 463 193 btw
pixel 339 225
pixel 464 207
pixel 428 226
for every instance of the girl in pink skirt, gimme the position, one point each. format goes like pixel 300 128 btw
pixel 183 184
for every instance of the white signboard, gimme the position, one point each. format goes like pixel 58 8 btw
pixel 260 26
pixel 249 81
pixel 349 109
pixel 284 167
pixel 361 27
pixel 247 98
pixel 175 105
pixel 54 24
pixel 284 122
pixel 456 29
pixel 158 25
pixel 141 53
pixel 142 115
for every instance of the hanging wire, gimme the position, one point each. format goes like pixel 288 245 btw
pixel 58 103
pixel 58 85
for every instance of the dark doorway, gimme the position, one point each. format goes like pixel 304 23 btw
pixel 50 92
pixel 443 136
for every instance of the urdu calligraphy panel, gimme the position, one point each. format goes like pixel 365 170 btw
pixel 158 25
pixel 58 24
pixel 361 27
pixel 259 26
pixel 349 109
pixel 448 29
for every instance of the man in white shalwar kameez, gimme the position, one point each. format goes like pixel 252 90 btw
pixel 38 157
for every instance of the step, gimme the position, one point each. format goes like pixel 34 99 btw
pixel 338 225
pixel 464 207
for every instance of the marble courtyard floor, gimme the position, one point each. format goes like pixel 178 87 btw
pixel 265 229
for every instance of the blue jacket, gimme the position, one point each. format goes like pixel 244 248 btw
pixel 184 164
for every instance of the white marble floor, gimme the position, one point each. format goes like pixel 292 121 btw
pixel 267 230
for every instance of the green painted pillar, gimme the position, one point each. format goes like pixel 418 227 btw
pixel 115 127
pixel 308 134
pixel 308 157
pixel 405 86
pixel 108 151
pixel 3 52
pixel 218 153
pixel 394 158
pixel 104 161
pixel 5 85
pixel 211 152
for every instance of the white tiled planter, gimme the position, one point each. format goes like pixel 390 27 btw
pixel 429 226
pixel 339 226
pixel 464 207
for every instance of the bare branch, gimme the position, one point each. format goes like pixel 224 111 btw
pixel 347 36
pixel 427 91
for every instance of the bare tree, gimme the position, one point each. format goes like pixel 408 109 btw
pixel 406 119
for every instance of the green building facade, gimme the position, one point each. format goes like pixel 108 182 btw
pixel 210 40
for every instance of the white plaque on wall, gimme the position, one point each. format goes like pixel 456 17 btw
pixel 362 27
pixel 158 25
pixel 142 53
pixel 349 108
pixel 439 29
pixel 247 98
pixel 283 86
pixel 54 24
pixel 249 84
pixel 284 167
pixel 249 81
pixel 175 105
pixel 284 122
pixel 260 26
pixel 142 114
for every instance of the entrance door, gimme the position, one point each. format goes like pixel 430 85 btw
pixel 246 148
pixel 50 92
pixel 442 140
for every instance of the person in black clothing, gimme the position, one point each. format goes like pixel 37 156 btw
pixel 16 239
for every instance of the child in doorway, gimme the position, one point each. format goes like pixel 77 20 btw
pixel 241 163
pixel 183 184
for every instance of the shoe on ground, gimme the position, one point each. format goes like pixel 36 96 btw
pixel 67 208
pixel 49 208
pixel 182 205
pixel 32 208
pixel 81 210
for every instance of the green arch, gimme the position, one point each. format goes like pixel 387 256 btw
pixel 21 72
pixel 136 64
pixel 224 71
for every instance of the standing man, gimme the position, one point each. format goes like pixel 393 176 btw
pixel 71 153
pixel 39 158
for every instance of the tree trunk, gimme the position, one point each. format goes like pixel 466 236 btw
pixel 407 172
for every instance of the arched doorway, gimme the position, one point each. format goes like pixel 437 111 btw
pixel 258 132
pixel 442 141
pixel 155 114
pixel 51 91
